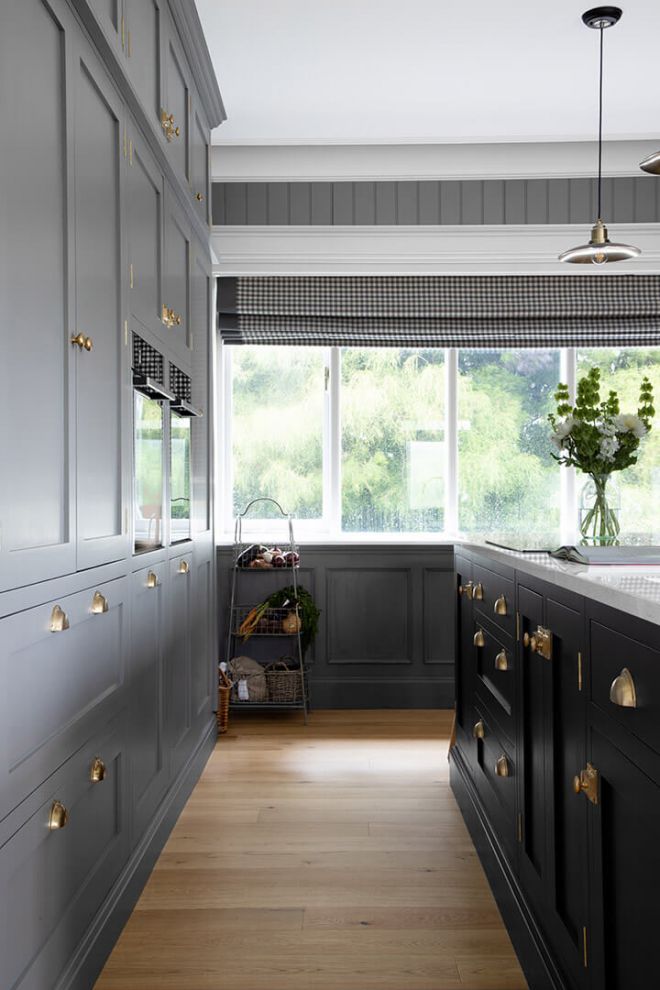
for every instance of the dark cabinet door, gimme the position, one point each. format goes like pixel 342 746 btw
pixel 553 856
pixel 623 951
pixel 143 28
pixel 144 235
pixel 178 661
pixel 465 661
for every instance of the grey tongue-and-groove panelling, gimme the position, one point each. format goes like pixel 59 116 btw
pixel 473 201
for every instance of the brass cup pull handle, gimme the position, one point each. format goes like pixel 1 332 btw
pixel 479 638
pixel 99 603
pixel 502 766
pixel 59 621
pixel 97 771
pixel 500 606
pixel 152 580
pixel 199 197
pixel 501 661
pixel 58 816
pixel 622 691
pixel 184 567
pixel 479 730
pixel 478 592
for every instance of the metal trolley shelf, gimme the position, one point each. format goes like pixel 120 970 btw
pixel 287 686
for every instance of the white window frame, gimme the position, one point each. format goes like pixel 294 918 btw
pixel 328 527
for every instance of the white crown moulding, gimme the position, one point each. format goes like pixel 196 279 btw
pixel 401 163
pixel 451 250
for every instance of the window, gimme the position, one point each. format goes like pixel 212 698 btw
pixel 412 442
pixel 149 473
pixel 179 478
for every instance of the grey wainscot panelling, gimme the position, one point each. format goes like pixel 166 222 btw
pixel 473 201
pixel 386 632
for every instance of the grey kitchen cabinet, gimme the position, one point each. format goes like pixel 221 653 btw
pixel 175 100
pixel 37 490
pixel 144 235
pixel 143 41
pixel 110 16
pixel 176 291
pixel 178 721
pixel 200 161
pixel 103 444
pixel 149 759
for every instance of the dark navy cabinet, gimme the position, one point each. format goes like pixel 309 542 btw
pixel 559 774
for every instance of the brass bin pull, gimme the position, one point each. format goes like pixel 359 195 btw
pixel 622 691
pixel 152 580
pixel 501 661
pixel 500 606
pixel 58 817
pixel 99 603
pixel 479 730
pixel 478 592
pixel 502 766
pixel 479 638
pixel 586 782
pixel 539 642
pixel 466 589
pixel 184 567
pixel 59 621
pixel 97 770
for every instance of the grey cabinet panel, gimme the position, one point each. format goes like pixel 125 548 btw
pixel 201 385
pixel 199 165
pixel 203 657
pixel 144 235
pixel 375 615
pixel 56 684
pixel 177 258
pixel 176 100
pixel 149 589
pixel 98 205
pixel 177 705
pixel 36 487
pixel 54 880
pixel 109 14
pixel 143 51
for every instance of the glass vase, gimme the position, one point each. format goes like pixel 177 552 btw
pixel 600 504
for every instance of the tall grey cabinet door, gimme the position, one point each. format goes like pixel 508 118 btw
pixel 199 163
pixel 101 375
pixel 177 256
pixel 200 307
pixel 143 51
pixel 110 15
pixel 36 359
pixel 178 657
pixel 176 103
pixel 144 229
pixel 203 680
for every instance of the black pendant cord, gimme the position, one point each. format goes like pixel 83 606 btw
pixel 600 124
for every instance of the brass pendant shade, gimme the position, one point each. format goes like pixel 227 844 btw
pixel 600 249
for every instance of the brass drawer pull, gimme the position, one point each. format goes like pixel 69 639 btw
pixel 466 589
pixel 152 580
pixel 478 592
pixel 99 603
pixel 622 691
pixel 184 567
pixel 479 638
pixel 586 782
pixel 59 620
pixel 502 766
pixel 501 661
pixel 539 642
pixel 97 770
pixel 479 730
pixel 58 817
pixel 500 606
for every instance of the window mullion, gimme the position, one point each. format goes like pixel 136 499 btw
pixel 332 508
pixel 451 441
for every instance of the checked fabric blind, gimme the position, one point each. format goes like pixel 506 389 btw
pixel 442 311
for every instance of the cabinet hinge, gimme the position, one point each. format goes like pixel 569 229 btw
pixel 123 33
pixel 585 955
pixel 125 333
pixel 519 827
pixel 130 275
pixel 579 671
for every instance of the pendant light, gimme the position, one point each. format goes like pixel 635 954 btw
pixel 600 249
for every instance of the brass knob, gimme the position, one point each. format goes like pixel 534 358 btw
pixel 152 580
pixel 99 603
pixel 466 589
pixel 587 782
pixel 184 567
pixel 577 784
pixel 622 691
pixel 478 592
pixel 176 319
pixel 479 729
pixel 58 817
pixel 165 315
pixel 501 661
pixel 529 641
pixel 479 638
pixel 499 608
pixel 80 340
pixel 502 766
pixel 199 197
pixel 59 620
pixel 97 770
pixel 177 131
pixel 88 343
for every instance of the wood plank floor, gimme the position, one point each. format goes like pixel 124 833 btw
pixel 319 857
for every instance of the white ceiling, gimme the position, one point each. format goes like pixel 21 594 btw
pixel 427 71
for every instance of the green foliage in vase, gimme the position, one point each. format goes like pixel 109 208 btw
pixel 594 435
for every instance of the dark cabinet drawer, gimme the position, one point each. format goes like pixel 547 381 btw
pixel 635 666
pixel 496 776
pixel 53 879
pixel 494 596
pixel 495 675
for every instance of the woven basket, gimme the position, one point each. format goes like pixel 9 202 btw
pixel 223 708
pixel 284 682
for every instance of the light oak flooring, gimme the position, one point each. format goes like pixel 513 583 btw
pixel 319 857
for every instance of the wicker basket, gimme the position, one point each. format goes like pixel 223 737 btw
pixel 284 683
pixel 224 694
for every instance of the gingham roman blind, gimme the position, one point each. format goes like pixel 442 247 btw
pixel 442 311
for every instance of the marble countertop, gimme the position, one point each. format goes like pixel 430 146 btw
pixel 632 589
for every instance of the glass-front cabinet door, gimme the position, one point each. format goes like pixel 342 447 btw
pixel 149 474
pixel 180 508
